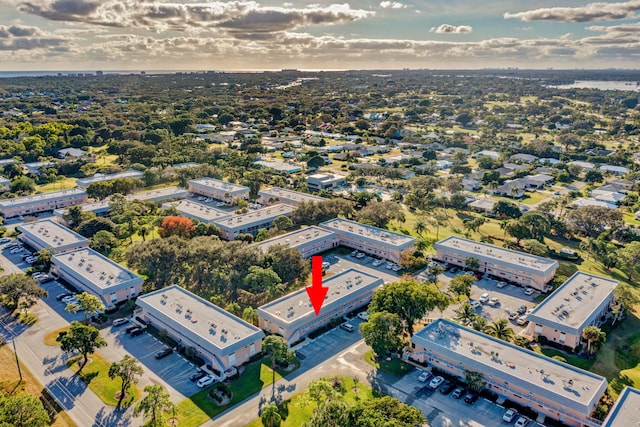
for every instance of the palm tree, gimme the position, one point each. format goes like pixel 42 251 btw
pixel 593 335
pixel 500 329
pixel 271 416
pixel 478 323
pixel 464 313
pixel 420 227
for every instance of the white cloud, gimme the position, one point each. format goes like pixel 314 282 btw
pixel 586 13
pixel 392 5
pixel 451 29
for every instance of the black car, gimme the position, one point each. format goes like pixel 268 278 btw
pixel 47 279
pixel 163 353
pixel 136 331
pixel 446 387
pixel 471 397
pixel 196 376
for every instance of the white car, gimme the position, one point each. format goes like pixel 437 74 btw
pixel 484 298
pixel 119 321
pixel 501 284
pixel 377 262
pixel 4 240
pixel 69 299
pixel 522 320
pixel 509 415
pixel 522 421
pixel 16 250
pixel 424 377
pixel 436 382
pixel 493 302
pixel 205 381
pixel 360 255
pixel 529 291
pixel 363 315
pixel 475 304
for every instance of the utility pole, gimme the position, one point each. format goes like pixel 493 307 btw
pixel 15 352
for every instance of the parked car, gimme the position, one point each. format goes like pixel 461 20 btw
pixel 522 421
pixel 484 298
pixel 63 295
pixel 493 302
pixel 509 415
pixel 522 320
pixel 131 328
pixel 501 284
pixel 529 291
pixel 347 327
pixel 46 279
pixel 425 376
pixel 360 255
pixel 205 381
pixel 457 393
pixel 446 387
pixel 354 253
pixel 363 315
pixel 436 382
pixel 163 353
pixel 197 375
pixel 522 309
pixel 377 262
pixel 69 298
pixel 475 304
pixel 137 331
pixel 471 397
pixel 513 315
pixel 4 240
pixel 119 321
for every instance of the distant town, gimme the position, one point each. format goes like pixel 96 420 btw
pixel 478 233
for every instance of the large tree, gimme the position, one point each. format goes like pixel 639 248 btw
pixel 408 299
pixel 23 410
pixel 270 416
pixel 278 349
pixel 128 370
pixel 500 329
pixel 20 290
pixel 461 285
pixel 259 279
pixel 593 335
pixel 628 258
pixel 88 304
pixel 83 339
pixel 381 213
pixel 382 332
pixel 590 221
pixel 153 405
pixel 537 223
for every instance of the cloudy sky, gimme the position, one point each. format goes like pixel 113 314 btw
pixel 243 34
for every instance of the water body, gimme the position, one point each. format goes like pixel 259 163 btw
pixel 600 84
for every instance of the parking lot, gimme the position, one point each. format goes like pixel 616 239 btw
pixel 339 262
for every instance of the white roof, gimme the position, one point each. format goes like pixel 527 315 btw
pixel 289 195
pixel 355 230
pixel 259 216
pixel 217 184
pixel 49 234
pixel 26 200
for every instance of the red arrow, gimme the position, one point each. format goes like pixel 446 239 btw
pixel 316 291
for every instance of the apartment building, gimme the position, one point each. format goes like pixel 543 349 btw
pixel 223 340
pixel 89 271
pixel 515 266
pixel 292 315
pixel 202 213
pixel 131 173
pixel 44 202
pixel 251 222
pixel 309 241
pixel 219 190
pixel 283 195
pixel 583 300
pixel 554 389
pixel 625 412
pixel 48 234
pixel 372 240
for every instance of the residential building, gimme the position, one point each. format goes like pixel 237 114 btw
pixel 524 158
pixel 538 181
pixel 194 210
pixel 484 206
pixel 372 240
pixel 293 317
pixel 221 339
pixel 624 412
pixel 583 300
pixel 131 173
pixel 323 181
pixel 34 168
pixel 48 234
pixel 581 202
pixel 549 387
pixel 89 271
pixel 487 153
pixel 613 169
pixel 219 190
pixel 283 167
pixel 252 221
pixel 511 188
pixel 289 197
pixel 584 165
pixel 309 241
pixel 517 267
pixel 44 202
pixel 74 154
pixel 4 183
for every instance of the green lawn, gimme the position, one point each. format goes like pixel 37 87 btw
pixel 199 408
pixel 96 375
pixel 395 366
pixel 58 185
pixel 570 358
pixel 299 408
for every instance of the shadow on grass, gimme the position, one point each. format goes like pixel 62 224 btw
pixel 618 384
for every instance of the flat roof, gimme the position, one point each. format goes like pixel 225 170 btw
pixel 200 319
pixel 108 177
pixel 279 166
pixel 368 232
pixel 199 211
pixel 159 194
pixel 296 305
pixel 239 222
pixel 626 411
pixel 574 302
pixel 520 260
pixel 18 201
pixel 325 176
pixel 49 234
pixel 285 194
pixel 298 238
pixel 95 270
pixel 558 382
pixel 227 187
